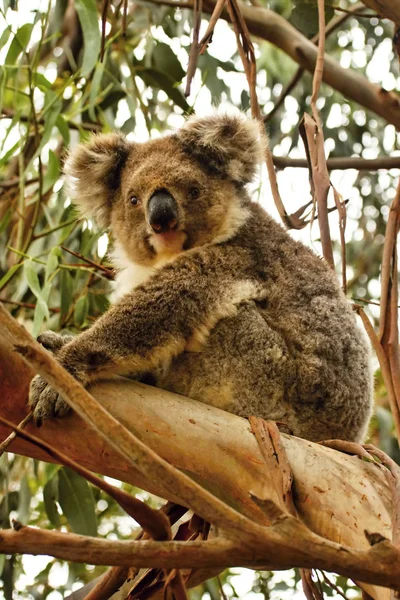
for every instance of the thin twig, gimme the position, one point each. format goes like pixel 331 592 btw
pixel 342 162
pixel 104 12
pixel 4 445
pixel 384 365
pixel 108 273
pixel 195 47
pixel 330 27
pixel 10 114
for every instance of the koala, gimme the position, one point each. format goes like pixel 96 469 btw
pixel 214 299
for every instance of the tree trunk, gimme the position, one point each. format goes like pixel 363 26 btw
pixel 336 495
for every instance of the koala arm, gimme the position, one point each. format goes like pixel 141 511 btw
pixel 148 327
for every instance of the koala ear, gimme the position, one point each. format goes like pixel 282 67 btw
pixel 227 145
pixel 93 174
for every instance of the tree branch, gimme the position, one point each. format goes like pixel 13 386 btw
pixel 343 162
pixel 233 465
pixel 380 564
pixel 385 8
pixel 273 28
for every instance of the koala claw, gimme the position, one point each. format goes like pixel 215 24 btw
pixel 45 402
pixel 53 341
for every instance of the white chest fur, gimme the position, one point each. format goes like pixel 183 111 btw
pixel 130 274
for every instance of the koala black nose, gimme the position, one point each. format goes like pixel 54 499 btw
pixel 162 212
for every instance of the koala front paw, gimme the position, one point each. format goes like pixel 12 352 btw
pixel 54 341
pixel 45 402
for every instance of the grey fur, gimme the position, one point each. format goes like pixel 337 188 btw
pixel 233 311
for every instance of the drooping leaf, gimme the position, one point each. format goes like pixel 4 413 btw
pixel 159 80
pixel 66 292
pixel 63 128
pixel 19 43
pixel 88 17
pixel 81 311
pixel 163 59
pixel 95 87
pixel 305 16
pixel 52 262
pixel 52 173
pixel 50 499
pixel 24 501
pixel 9 274
pixel 77 502
pixel 34 285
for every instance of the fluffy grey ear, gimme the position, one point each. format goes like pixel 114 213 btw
pixel 93 174
pixel 227 145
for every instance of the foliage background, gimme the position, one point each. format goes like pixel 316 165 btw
pixel 54 92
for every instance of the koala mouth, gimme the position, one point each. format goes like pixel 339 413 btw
pixel 169 242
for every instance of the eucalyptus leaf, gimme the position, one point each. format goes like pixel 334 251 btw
pixel 52 173
pixel 19 43
pixel 9 274
pixel 50 499
pixel 66 292
pixel 164 59
pixel 81 311
pixel 87 13
pixel 77 502
pixel 24 501
pixel 52 262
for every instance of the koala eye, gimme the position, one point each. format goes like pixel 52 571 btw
pixel 194 193
pixel 134 200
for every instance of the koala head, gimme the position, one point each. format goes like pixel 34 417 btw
pixel 170 194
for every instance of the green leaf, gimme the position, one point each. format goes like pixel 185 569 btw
pixel 52 173
pixel 8 503
pixel 9 274
pixel 3 81
pixel 63 129
pixel 51 116
pixel 81 311
pixel 50 499
pixel 87 13
pixel 305 16
pixel 41 82
pixel 19 44
pixel 52 262
pixel 33 283
pixel 95 87
pixel 66 291
pixel 158 79
pixel 4 36
pixel 2 563
pixel 6 219
pixel 163 59
pixel 77 502
pixel 24 501
pixel 4 159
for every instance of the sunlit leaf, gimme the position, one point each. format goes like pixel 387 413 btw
pixel 34 285
pixel 9 274
pixel 95 87
pixel 63 128
pixel 88 17
pixel 52 262
pixel 19 43
pixel 52 173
